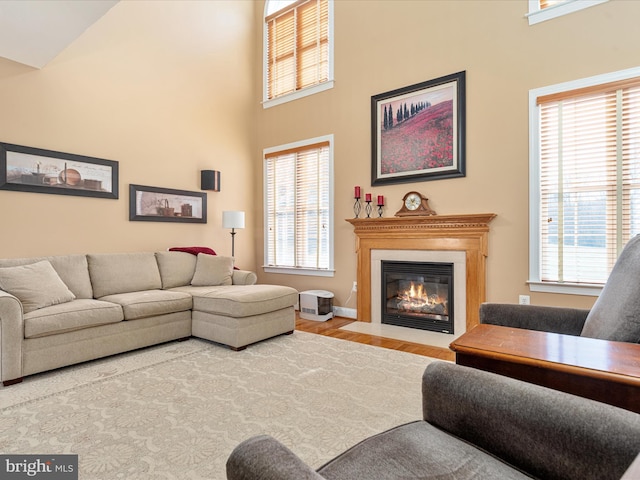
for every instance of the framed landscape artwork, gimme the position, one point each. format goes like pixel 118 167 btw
pixel 418 132
pixel 28 169
pixel 154 204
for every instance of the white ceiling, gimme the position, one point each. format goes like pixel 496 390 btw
pixel 34 32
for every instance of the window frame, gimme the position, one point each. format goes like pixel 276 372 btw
pixel 304 92
pixel 535 282
pixel 538 15
pixel 330 271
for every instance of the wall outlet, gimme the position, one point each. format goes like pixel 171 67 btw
pixel 345 312
pixel 355 287
pixel 524 300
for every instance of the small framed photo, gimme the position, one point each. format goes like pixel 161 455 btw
pixel 418 132
pixel 155 204
pixel 27 169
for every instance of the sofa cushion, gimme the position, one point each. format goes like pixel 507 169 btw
pixel 616 313
pixel 72 269
pixel 66 317
pixel 176 268
pixel 36 285
pixel 212 270
pixel 113 273
pixel 150 302
pixel 417 450
pixel 242 300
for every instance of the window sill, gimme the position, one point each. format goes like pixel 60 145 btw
pixel 298 94
pixel 591 290
pixel 299 271
pixel 561 9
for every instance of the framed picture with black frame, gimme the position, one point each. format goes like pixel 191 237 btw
pixel 418 132
pixel 28 169
pixel 156 204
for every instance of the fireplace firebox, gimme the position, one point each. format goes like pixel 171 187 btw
pixel 418 295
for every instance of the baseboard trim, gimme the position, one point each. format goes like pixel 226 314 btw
pixel 345 312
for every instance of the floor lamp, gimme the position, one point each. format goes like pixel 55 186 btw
pixel 233 220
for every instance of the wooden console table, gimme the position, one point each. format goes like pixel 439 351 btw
pixel 608 372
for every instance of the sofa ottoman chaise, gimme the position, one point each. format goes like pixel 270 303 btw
pixel 61 310
pixel 238 316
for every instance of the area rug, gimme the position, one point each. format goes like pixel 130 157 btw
pixel 177 410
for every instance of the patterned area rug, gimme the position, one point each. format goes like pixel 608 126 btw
pixel 176 411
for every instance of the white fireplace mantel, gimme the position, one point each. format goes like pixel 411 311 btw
pixel 465 233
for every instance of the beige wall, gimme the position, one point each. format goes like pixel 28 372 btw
pixel 165 89
pixel 384 45
pixel 169 88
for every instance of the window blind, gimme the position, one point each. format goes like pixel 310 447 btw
pixel 297 205
pixel 297 47
pixel 589 180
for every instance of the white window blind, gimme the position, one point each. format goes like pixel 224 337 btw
pixel 297 47
pixel 298 221
pixel 589 174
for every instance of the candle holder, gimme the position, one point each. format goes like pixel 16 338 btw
pixel 380 205
pixel 357 207
pixel 368 208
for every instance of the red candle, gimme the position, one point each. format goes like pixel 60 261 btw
pixel 368 197
pixel 380 200
pixel 357 194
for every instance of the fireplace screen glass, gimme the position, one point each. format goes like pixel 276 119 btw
pixel 418 295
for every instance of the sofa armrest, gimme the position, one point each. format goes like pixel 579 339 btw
pixel 544 432
pixel 11 337
pixel 568 321
pixel 263 457
pixel 244 277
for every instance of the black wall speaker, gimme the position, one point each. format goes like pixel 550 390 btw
pixel 210 180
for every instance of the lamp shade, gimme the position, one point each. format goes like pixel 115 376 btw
pixel 233 219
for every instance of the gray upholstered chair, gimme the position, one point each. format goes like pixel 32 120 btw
pixel 476 425
pixel 615 315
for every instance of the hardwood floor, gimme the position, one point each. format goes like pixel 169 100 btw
pixel 331 328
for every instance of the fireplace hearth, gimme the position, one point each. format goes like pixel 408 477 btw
pixel 418 295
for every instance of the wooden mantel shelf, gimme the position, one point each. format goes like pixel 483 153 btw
pixel 466 232
pixel 465 221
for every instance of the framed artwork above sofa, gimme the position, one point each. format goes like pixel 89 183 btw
pixel 155 204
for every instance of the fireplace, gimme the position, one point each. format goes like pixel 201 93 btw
pixel 417 295
pixel 458 239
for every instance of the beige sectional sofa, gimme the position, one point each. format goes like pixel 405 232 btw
pixel 61 310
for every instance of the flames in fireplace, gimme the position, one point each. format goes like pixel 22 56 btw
pixel 418 295
pixel 414 298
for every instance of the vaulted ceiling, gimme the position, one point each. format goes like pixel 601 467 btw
pixel 34 32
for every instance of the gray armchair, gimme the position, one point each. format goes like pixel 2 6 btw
pixel 475 425
pixel 615 315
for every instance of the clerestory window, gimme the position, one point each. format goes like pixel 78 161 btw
pixel 298 49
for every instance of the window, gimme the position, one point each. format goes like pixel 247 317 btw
pixel 585 180
pixel 298 49
pixel 299 208
pixel 541 10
